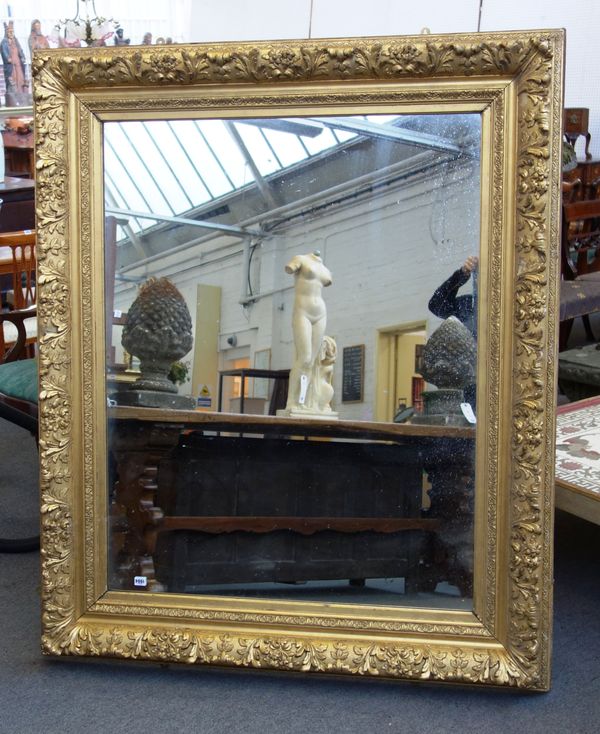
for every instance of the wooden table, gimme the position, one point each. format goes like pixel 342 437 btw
pixel 244 374
pixel 578 459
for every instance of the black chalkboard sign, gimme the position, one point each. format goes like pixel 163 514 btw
pixel 353 370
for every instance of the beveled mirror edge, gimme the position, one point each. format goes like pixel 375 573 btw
pixel 522 604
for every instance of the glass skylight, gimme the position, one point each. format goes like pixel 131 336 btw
pixel 171 168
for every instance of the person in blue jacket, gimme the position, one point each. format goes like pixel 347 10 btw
pixel 446 302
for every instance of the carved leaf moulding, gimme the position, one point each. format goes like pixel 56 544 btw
pixel 536 251
pixel 537 58
pixel 54 324
pixel 450 663
pixel 393 58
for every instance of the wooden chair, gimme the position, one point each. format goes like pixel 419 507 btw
pixel 580 266
pixel 18 369
pixel 18 400
pixel 18 265
pixel 18 335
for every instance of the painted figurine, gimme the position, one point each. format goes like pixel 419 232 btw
pixel 13 58
pixel 36 38
pixel 118 39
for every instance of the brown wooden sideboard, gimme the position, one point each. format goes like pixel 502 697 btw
pixel 202 499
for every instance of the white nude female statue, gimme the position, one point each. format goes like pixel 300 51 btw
pixel 309 319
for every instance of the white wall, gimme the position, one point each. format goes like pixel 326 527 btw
pixel 269 19
pixel 233 20
pixel 581 19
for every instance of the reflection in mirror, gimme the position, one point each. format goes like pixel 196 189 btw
pixel 326 270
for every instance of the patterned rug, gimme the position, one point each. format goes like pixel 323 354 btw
pixel 578 446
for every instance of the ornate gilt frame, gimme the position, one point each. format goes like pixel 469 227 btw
pixel 514 80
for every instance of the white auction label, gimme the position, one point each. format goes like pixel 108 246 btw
pixel 468 412
pixel 303 389
pixel 140 581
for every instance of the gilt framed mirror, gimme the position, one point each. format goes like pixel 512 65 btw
pixel 298 314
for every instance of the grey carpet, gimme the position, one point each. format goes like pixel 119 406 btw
pixel 67 696
pixel 18 482
pixel 63 696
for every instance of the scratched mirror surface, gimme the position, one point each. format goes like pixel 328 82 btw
pixel 291 311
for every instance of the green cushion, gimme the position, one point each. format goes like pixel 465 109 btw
pixel 20 379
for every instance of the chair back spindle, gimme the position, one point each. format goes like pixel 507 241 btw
pixel 18 263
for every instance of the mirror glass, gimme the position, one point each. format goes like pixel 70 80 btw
pixel 317 326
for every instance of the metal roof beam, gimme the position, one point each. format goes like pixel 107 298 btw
pixel 227 228
pixel 126 227
pixel 400 134
pixel 260 181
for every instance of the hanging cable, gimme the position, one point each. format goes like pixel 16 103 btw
pixel 253 246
